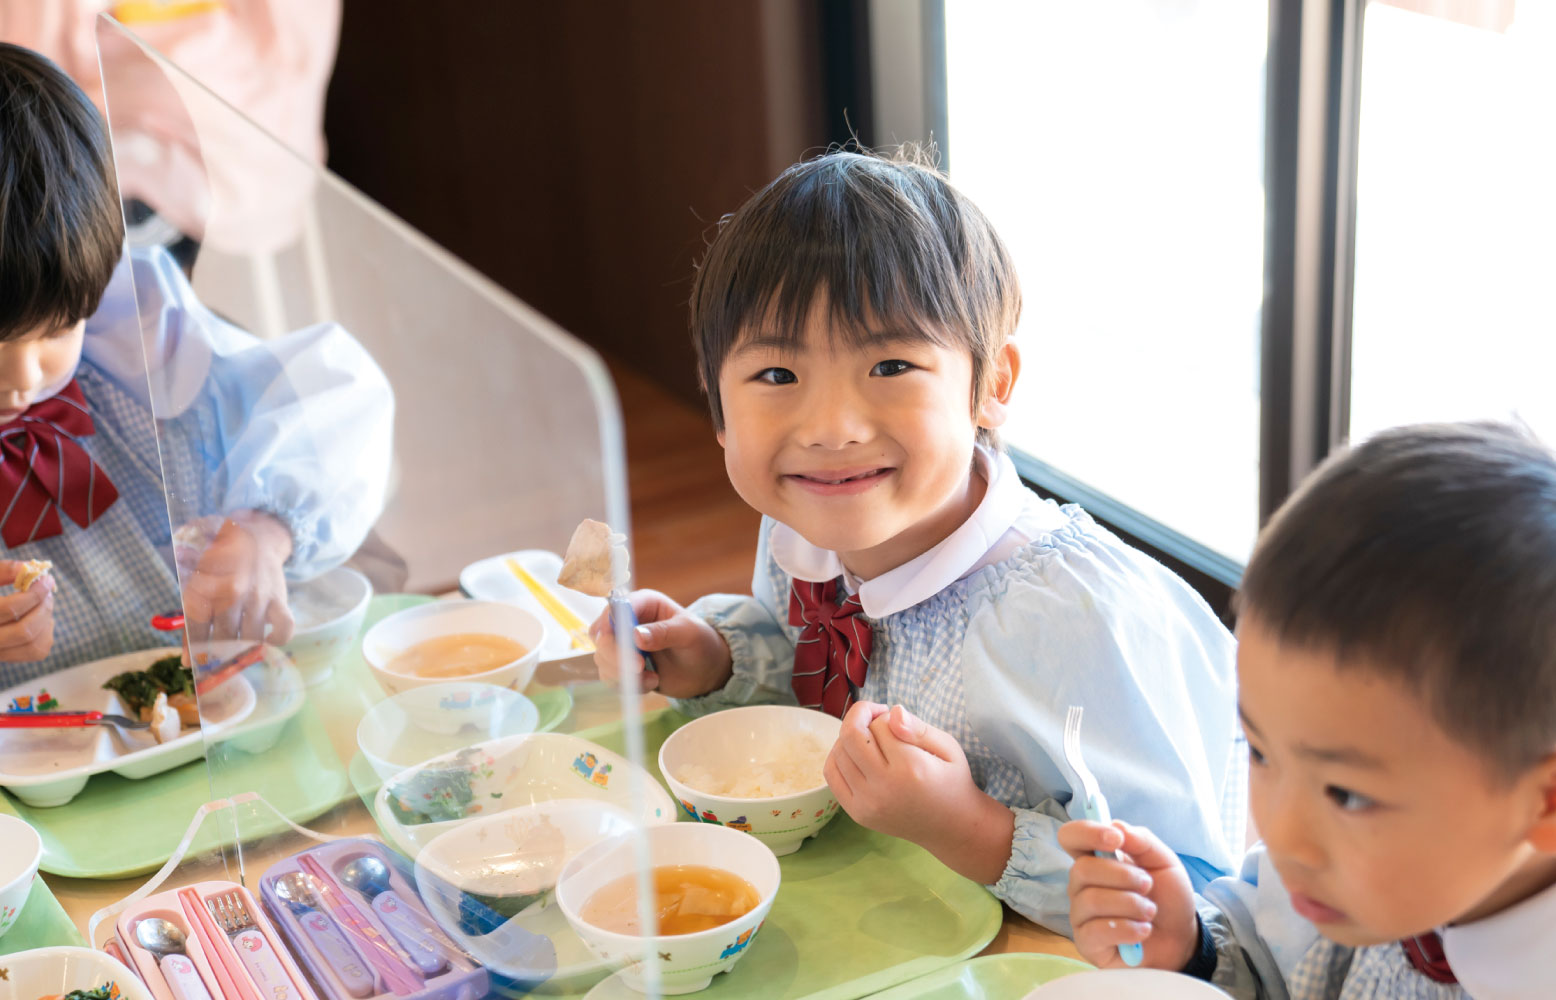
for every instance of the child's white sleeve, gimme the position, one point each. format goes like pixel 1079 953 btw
pixel 298 426
pixel 760 644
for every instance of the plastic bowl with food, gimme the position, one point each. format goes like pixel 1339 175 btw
pixel 499 775
pixel 327 614
pixel 755 769
pixel 20 851
pixel 52 973
pixel 426 722
pixel 687 962
pixel 485 642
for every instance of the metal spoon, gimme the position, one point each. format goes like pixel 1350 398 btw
pixel 370 877
pixel 163 939
pixel 296 891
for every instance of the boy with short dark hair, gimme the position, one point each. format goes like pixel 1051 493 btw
pixel 1397 662
pixel 107 385
pixel 853 322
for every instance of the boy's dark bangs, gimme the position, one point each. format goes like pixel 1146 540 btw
pixel 41 297
pixel 874 283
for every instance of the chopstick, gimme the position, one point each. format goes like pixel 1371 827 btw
pixel 397 975
pixel 219 673
pixel 575 626
pixel 233 983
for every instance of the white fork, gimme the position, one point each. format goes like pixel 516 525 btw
pixel 1095 806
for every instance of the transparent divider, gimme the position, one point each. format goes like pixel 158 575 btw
pixel 374 459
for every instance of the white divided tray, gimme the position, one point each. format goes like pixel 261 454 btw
pixel 48 767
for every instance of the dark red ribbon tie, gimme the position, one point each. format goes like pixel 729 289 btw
pixel 44 469
pixel 832 655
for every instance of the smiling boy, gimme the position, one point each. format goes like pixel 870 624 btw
pixel 853 323
pixel 1397 660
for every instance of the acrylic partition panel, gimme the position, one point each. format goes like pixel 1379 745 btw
pixel 374 459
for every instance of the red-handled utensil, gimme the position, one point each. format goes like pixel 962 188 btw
pixel 170 621
pixel 66 720
pixel 237 664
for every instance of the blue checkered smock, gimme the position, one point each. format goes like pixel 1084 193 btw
pixel 299 426
pixel 1074 617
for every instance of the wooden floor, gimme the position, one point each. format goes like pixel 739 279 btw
pixel 692 534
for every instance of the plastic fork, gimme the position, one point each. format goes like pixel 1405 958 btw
pixel 66 720
pixel 1095 807
pixel 254 951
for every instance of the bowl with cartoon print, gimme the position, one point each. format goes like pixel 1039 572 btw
pixel 494 776
pixel 20 851
pixel 723 768
pixel 686 962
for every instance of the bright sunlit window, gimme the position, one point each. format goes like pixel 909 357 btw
pixel 1456 216
pixel 1119 149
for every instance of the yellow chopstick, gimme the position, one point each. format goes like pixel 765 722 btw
pixel 576 627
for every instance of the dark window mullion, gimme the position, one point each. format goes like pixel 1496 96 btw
pixel 1310 173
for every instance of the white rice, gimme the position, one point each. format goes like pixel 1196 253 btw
pixel 797 769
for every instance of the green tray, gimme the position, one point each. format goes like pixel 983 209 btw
pixel 117 827
pixel 858 911
pixel 306 774
pixel 992 977
pixel 42 924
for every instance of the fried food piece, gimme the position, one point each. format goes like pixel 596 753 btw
pixel 33 570
pixel 596 561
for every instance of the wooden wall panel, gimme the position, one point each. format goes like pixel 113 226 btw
pixel 577 152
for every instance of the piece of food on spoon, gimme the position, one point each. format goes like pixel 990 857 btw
pixel 596 560
pixel 32 571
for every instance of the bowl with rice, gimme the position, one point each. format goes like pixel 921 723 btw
pixel 756 769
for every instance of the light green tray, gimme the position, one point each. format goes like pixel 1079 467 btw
pixel 42 924
pixel 992 977
pixel 858 911
pixel 117 828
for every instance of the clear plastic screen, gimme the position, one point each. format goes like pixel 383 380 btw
pixel 328 385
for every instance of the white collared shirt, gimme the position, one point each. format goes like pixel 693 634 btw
pixel 1001 524
pixel 1509 955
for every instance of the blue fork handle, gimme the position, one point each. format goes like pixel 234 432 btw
pixel 623 607
pixel 1097 812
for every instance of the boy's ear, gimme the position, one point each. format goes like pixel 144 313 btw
pixel 719 436
pixel 1001 383
pixel 1542 836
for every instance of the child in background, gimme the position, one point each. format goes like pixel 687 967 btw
pixel 108 385
pixel 1397 662
pixel 853 325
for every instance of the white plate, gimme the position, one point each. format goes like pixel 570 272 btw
pixel 48 767
pixel 49 971
pixel 491 580
pixel 1126 984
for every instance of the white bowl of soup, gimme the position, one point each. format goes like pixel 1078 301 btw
pixel 484 642
pixel 714 888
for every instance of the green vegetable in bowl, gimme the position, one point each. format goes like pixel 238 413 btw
pixel 107 991
pixel 443 792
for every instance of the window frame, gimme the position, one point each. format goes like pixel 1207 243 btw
pixel 1312 101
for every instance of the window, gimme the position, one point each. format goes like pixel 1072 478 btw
pixel 1455 215
pixel 1119 149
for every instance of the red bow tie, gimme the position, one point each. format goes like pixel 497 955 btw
pixel 1425 952
pixel 44 469
pixel 833 652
